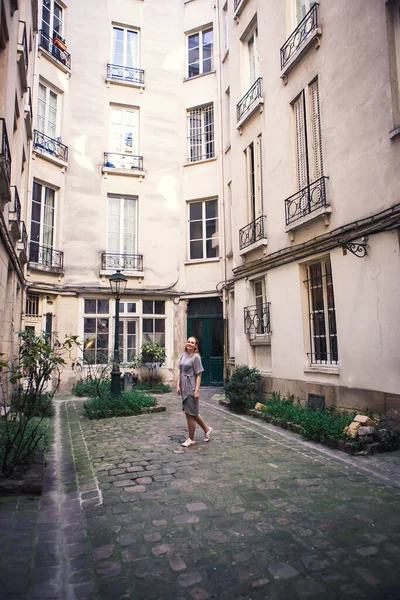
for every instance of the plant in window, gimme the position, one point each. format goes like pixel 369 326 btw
pixel 151 356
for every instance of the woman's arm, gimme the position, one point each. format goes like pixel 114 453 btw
pixel 196 393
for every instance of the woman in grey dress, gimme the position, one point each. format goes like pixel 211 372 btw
pixel 188 386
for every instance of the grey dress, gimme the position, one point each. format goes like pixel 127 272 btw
pixel 189 367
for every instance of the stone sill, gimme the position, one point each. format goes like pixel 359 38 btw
pixel 54 61
pixel 108 272
pixel 225 56
pixel 46 269
pixel 261 340
pixel 263 242
pixel 198 76
pixel 258 104
pixel 323 369
pixel 130 84
pixel 313 37
pixel 324 212
pixel 238 10
pixel 200 162
pixel 124 172
pixel 394 133
pixel 49 157
pixel 202 260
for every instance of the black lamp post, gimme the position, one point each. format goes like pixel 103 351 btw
pixel 117 284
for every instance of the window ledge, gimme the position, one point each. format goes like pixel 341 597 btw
pixel 394 133
pixel 131 84
pixel 258 104
pixel 227 148
pixel 312 38
pixel 198 76
pixel 59 271
pixel 324 211
pixel 54 61
pixel 124 172
pixel 108 272
pixel 261 340
pixel 225 55
pixel 323 369
pixel 200 162
pixel 46 156
pixel 263 242
pixel 202 260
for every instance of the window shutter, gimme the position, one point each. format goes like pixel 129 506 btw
pixel 316 164
pixel 130 226
pixel 259 178
pixel 301 142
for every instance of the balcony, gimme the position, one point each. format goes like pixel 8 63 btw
pixel 307 204
pixel 55 49
pixel 123 164
pixel 22 245
pixel 306 33
pixel 5 164
pixel 253 235
pixel 257 321
pixel 129 263
pixel 50 147
pixel 125 75
pixel 28 114
pixel 249 103
pixel 15 215
pixel 23 55
pixel 45 256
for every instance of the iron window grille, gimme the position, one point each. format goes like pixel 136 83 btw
pixel 115 160
pixel 253 232
pixel 52 146
pixel 306 201
pixel 257 319
pixel 5 155
pixel 126 74
pixel 295 41
pixel 62 56
pixel 322 314
pixel 128 262
pixel 32 305
pixel 245 105
pixel 201 133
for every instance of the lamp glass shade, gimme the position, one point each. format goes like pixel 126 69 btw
pixel 118 283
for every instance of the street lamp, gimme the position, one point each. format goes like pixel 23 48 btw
pixel 117 284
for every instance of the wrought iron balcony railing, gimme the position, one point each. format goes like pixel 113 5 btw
pixel 5 155
pixel 48 44
pixel 306 201
pixel 294 42
pixel 17 204
pixel 253 232
pixel 127 74
pixel 113 160
pixel 257 319
pixel 45 255
pixel 51 146
pixel 249 99
pixel 128 262
pixel 22 42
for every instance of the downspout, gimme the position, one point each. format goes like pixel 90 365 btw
pixel 221 182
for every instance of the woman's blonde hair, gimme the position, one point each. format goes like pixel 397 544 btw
pixel 196 349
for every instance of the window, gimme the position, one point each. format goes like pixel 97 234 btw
pixel 125 49
pixel 201 133
pixel 47 111
pixel 122 234
pixel 154 327
pixel 42 224
pixel 96 331
pixel 299 10
pixel 225 25
pixel 251 57
pixel 254 178
pixel 393 16
pixel 307 117
pixel 32 305
pixel 52 19
pixel 203 230
pixel 260 302
pixel 124 137
pixel 321 302
pixel 200 52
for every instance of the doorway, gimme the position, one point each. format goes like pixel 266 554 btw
pixel 205 322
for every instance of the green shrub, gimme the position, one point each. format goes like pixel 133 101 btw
pixel 159 388
pixel 91 387
pixel 243 389
pixel 319 425
pixel 38 431
pixel 126 405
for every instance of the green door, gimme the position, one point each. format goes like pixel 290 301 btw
pixel 207 326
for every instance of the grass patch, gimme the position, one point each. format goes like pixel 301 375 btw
pixel 126 405
pixel 91 387
pixel 157 388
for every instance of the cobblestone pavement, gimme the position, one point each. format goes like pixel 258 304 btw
pixel 257 513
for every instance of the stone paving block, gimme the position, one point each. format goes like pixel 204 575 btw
pixel 103 552
pixel 108 569
pixel 187 579
pixel 195 506
pixel 282 571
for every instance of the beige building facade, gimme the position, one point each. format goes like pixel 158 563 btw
pixel 237 161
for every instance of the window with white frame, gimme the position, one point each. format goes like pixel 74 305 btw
pixel 203 229
pixel 52 19
pixel 125 47
pixel 225 25
pixel 394 57
pixel 128 332
pixel 299 10
pixel 153 321
pixel 32 305
pixel 322 315
pixel 122 226
pixel 96 330
pixel 47 121
pixel 200 52
pixel 201 133
pixel 124 137
pixel 308 141
pixel 260 301
pixel 251 57
pixel 253 154
pixel 42 223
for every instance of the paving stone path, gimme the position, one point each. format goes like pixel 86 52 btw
pixel 257 513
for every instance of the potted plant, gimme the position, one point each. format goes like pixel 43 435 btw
pixel 151 356
pixel 59 42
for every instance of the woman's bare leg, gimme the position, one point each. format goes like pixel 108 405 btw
pixel 202 424
pixel 191 421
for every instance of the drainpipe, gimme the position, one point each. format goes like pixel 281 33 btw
pixel 221 181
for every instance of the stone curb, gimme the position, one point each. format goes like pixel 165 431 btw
pixel 31 483
pixel 152 409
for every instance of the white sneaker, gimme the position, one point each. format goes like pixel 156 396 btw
pixel 208 435
pixel 188 442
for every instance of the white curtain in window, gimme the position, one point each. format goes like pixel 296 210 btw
pixel 121 225
pixel 125 47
